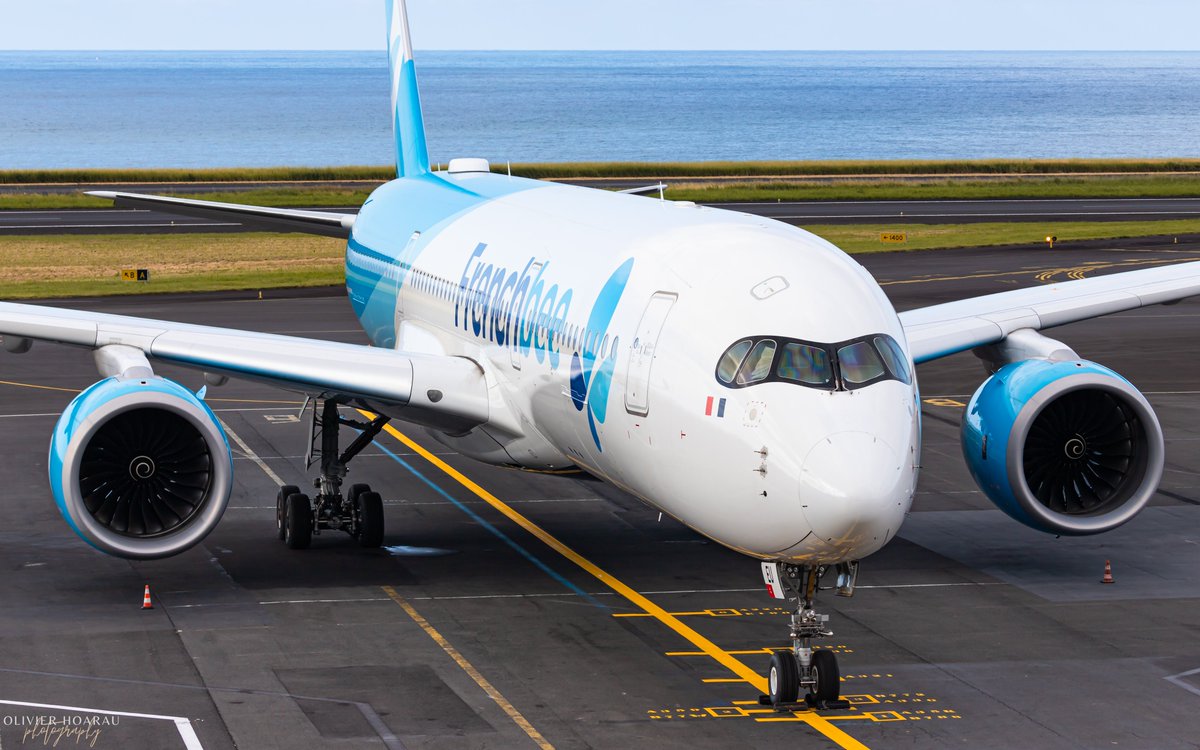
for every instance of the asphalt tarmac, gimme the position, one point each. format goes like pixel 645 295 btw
pixel 582 625
pixel 96 221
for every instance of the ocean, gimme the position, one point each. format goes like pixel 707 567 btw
pixel 219 109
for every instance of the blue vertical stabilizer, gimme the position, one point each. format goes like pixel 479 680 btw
pixel 408 126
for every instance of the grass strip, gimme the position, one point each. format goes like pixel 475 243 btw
pixel 89 265
pixel 276 197
pixel 864 238
pixel 559 170
pixel 231 174
pixel 1119 186
pixel 1122 186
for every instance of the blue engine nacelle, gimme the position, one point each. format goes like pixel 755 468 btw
pixel 140 467
pixel 1063 447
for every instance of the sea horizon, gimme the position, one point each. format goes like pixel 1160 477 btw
pixel 224 108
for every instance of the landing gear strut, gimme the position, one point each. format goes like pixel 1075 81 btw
pixel 803 667
pixel 359 513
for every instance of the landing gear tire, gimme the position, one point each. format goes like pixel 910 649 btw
pixel 827 679
pixel 368 508
pixel 285 492
pixel 297 525
pixel 783 679
pixel 356 490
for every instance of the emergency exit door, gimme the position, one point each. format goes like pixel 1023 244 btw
pixel 643 351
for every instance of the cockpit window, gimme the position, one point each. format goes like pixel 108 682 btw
pixel 860 363
pixel 807 364
pixel 847 365
pixel 757 366
pixel 731 360
pixel 894 357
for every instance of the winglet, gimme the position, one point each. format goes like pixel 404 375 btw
pixel 412 155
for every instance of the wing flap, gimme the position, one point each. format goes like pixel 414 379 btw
pixel 325 223
pixel 941 330
pixel 453 388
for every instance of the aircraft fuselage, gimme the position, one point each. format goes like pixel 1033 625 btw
pixel 600 319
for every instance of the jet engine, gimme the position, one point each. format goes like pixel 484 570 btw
pixel 140 467
pixel 1065 447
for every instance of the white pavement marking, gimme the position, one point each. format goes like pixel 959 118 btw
pixel 935 585
pixel 978 216
pixel 252 455
pixel 115 226
pixel 182 724
pixel 321 601
pixel 692 591
pixel 963 201
pixel 218 411
pixel 1177 680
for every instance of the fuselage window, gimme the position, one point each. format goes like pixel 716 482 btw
pixel 806 364
pixel 860 364
pixel 731 360
pixel 758 364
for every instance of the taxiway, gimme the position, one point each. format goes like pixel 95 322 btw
pixel 515 610
pixel 97 221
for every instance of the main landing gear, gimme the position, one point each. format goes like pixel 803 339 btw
pixel 358 513
pixel 803 667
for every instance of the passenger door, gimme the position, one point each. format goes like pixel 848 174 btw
pixel 643 351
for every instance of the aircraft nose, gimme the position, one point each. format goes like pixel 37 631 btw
pixel 853 489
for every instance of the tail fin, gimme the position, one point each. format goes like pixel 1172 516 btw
pixel 408 126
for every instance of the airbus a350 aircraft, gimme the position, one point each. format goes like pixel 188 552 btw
pixel 737 373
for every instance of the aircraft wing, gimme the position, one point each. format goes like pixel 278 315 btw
pixel 941 330
pixel 439 390
pixel 324 223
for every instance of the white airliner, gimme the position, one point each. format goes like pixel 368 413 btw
pixel 739 374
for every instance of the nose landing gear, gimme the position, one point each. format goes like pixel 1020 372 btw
pixel 803 667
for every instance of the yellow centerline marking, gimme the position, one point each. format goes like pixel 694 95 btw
pixel 1043 274
pixel 817 722
pixel 40 387
pixel 470 669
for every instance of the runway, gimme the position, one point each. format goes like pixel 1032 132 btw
pixel 95 221
pixel 515 610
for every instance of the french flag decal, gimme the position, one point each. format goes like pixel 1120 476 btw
pixel 719 403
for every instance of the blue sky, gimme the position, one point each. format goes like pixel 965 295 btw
pixel 606 24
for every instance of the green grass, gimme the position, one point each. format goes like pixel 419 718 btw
pixel 89 265
pixel 234 174
pixel 861 238
pixel 1083 186
pixel 559 170
pixel 1132 186
pixel 849 167
pixel 279 197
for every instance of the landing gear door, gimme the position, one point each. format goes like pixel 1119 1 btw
pixel 643 351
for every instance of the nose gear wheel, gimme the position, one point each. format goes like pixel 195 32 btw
pixel 804 667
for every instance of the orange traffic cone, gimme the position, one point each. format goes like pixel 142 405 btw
pixel 146 599
pixel 1107 573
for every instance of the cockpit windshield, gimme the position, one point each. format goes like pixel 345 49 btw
pixel 843 366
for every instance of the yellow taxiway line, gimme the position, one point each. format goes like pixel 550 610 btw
pixel 470 669
pixel 817 722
